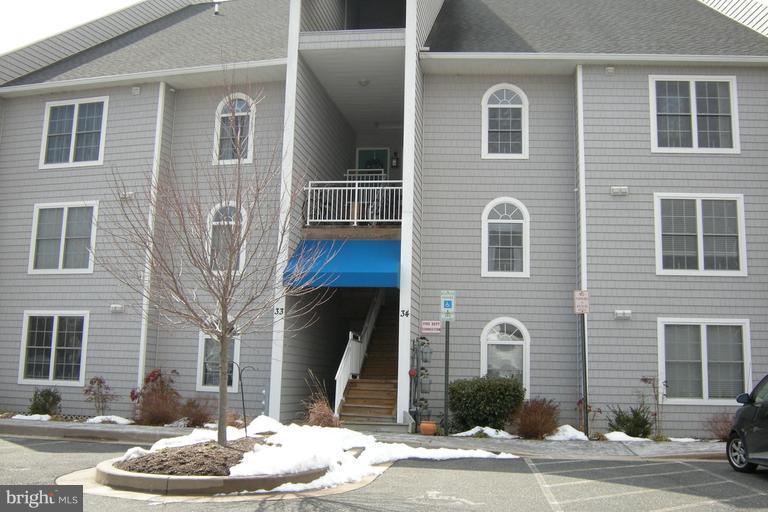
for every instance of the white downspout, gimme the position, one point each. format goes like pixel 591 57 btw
pixel 147 280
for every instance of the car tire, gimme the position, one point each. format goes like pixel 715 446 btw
pixel 737 455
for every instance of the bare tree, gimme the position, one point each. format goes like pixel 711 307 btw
pixel 217 240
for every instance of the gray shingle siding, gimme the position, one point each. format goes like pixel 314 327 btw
pixel 457 185
pixel 113 339
pixel 622 272
pixel 678 27
pixel 246 30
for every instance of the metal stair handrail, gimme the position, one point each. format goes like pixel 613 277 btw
pixel 357 348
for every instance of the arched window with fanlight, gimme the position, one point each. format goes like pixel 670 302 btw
pixel 506 239
pixel 234 130
pixel 505 350
pixel 505 123
pixel 224 242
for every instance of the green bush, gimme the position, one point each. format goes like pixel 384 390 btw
pixel 484 401
pixel 45 401
pixel 636 422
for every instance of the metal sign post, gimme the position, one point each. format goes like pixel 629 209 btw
pixel 581 308
pixel 447 313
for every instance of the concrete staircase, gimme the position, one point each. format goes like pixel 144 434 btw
pixel 370 400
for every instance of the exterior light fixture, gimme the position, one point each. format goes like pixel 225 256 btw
pixel 395 160
pixel 364 82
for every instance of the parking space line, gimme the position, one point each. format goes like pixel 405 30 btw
pixel 612 467
pixel 642 491
pixel 707 502
pixel 616 478
pixel 726 479
pixel 553 503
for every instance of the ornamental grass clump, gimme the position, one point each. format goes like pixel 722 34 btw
pixel 537 418
pixel 484 401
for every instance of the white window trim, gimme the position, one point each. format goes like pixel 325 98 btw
pixel 703 322
pixel 526 344
pixel 33 243
pixel 486 155
pixel 102 140
pixel 739 198
pixel 83 349
pixel 526 273
pixel 217 129
pixel 243 229
pixel 736 149
pixel 201 354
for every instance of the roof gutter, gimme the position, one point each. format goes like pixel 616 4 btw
pixel 598 58
pixel 145 76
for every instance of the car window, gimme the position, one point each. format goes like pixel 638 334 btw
pixel 761 392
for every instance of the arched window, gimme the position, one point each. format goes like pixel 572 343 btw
pixel 505 122
pixel 234 130
pixel 222 222
pixel 505 350
pixel 506 239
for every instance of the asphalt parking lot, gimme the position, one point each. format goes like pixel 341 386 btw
pixel 469 484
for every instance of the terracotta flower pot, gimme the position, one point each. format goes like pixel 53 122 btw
pixel 428 428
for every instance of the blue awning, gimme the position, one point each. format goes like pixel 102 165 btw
pixel 345 264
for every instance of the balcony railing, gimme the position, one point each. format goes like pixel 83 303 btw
pixel 354 202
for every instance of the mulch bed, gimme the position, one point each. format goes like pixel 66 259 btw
pixel 203 459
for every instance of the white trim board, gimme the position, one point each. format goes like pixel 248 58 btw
pixel 703 322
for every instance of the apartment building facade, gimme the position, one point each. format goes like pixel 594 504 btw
pixel 512 152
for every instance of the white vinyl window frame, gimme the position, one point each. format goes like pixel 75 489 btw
pixel 703 323
pixel 211 223
pixel 235 356
pixel 56 314
pixel 526 222
pixel 692 79
pixel 661 271
pixel 525 343
pixel 525 136
pixel 217 129
pixel 102 139
pixel 33 243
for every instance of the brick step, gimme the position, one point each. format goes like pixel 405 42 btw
pixel 385 411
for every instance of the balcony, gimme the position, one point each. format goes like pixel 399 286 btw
pixel 364 207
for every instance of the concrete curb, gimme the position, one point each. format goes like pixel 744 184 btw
pixel 107 474
pixel 127 434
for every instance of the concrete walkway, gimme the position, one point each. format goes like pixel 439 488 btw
pixel 143 435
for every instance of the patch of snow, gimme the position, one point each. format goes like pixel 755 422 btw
pixel 134 453
pixel 488 431
pixel 683 440
pixel 295 449
pixel 119 420
pixel 179 423
pixel 567 433
pixel 32 417
pixel 621 436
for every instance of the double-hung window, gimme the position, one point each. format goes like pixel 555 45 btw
pixel 505 123
pixel 505 238
pixel 208 364
pixel 233 137
pixel 53 347
pixel 74 133
pixel 694 114
pixel 704 360
pixel 700 235
pixel 63 237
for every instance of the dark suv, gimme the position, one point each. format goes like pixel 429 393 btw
pixel 748 443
